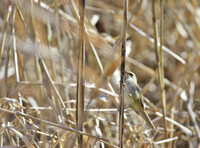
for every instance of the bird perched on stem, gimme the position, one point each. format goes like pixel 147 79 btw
pixel 134 98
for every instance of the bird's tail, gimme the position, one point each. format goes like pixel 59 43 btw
pixel 147 119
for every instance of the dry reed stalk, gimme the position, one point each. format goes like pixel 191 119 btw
pixel 3 39
pixel 49 30
pixel 81 74
pixel 159 66
pixel 123 59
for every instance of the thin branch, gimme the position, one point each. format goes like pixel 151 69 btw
pixel 15 59
pixel 10 13
pixel 123 54
pixel 80 75
pixel 3 39
pixel 166 140
pixel 162 84
pixel 189 103
pixel 160 77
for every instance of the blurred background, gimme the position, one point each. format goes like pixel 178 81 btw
pixel 39 42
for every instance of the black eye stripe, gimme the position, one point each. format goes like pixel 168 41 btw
pixel 131 74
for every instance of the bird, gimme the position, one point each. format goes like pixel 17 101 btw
pixel 134 98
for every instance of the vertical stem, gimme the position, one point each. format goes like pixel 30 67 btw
pixel 172 127
pixel 4 91
pixel 159 58
pixel 9 16
pixel 5 27
pixel 80 75
pixel 15 54
pixel 123 54
pixel 162 69
pixel 161 38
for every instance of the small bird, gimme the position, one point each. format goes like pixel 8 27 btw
pixel 134 98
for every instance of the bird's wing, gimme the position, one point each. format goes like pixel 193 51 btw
pixel 134 92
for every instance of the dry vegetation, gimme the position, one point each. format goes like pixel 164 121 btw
pixel 38 73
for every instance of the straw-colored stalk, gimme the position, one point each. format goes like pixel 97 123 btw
pixel 80 75
pixel 123 54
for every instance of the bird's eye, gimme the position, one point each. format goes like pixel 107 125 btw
pixel 131 74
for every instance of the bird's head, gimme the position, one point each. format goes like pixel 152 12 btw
pixel 130 76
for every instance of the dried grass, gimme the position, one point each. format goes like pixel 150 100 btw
pixel 39 43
